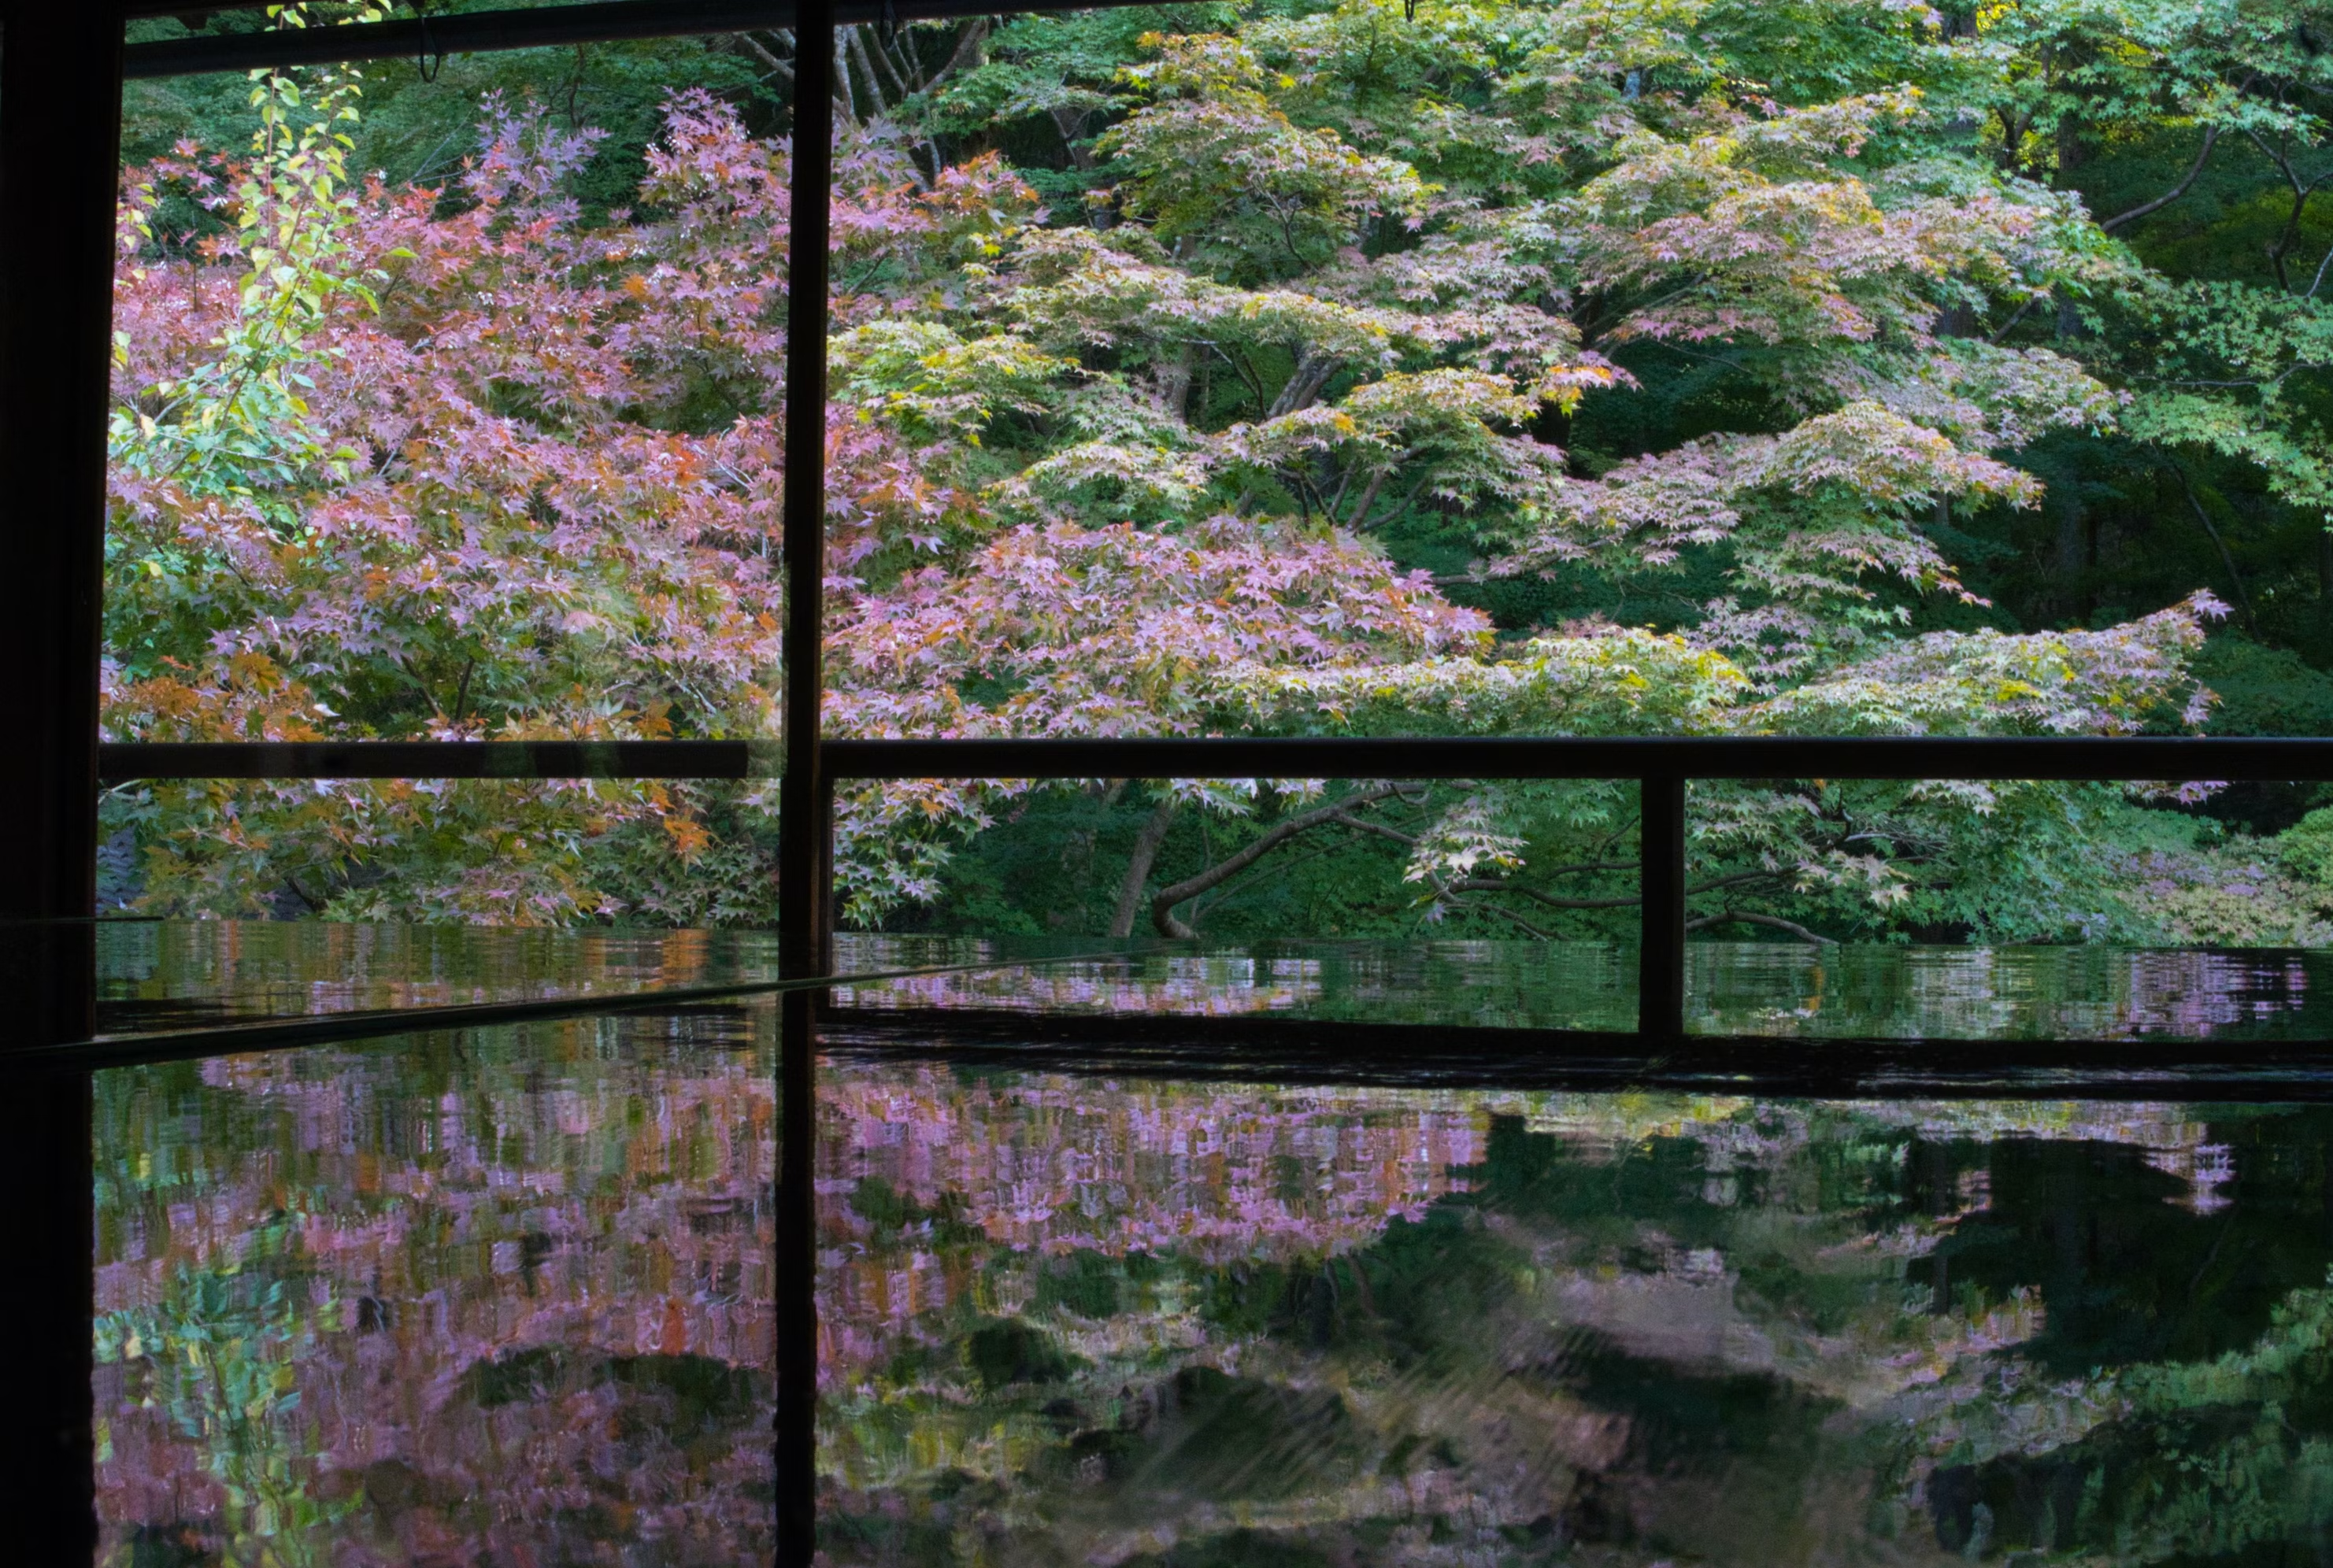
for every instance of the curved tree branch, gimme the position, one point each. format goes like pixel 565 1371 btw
pixel 2244 597
pixel 1162 907
pixel 1503 911
pixel 1312 373
pixel 1492 884
pixel 1775 921
pixel 762 52
pixel 880 71
pixel 1380 829
pixel 2211 140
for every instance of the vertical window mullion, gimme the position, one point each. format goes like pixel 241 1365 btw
pixel 803 817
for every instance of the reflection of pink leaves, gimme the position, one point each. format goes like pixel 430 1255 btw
pixel 409 1275
pixel 1051 1164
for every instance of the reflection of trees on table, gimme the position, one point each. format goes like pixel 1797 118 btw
pixel 1859 990
pixel 1622 1328
pixel 507 1292
pixel 503 1293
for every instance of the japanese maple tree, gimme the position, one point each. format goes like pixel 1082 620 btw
pixel 1562 302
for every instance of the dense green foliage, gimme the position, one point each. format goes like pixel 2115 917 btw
pixel 1592 367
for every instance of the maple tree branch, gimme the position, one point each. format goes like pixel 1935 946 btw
pixel 2211 140
pixel 462 693
pixel 845 99
pixel 871 59
pixel 1554 901
pixel 1361 519
pixel 1368 499
pixel 1246 373
pixel 1231 889
pixel 762 52
pixel 315 905
pixel 1380 829
pixel 2302 192
pixel 1750 918
pixel 1500 909
pixel 2015 316
pixel 1162 907
pixel 1312 373
pixel 2244 597
pixel 968 50
pixel 2319 281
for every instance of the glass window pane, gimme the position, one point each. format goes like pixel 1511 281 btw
pixel 1345 388
pixel 446 407
pixel 1404 419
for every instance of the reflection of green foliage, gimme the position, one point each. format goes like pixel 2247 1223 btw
pixel 1204 1433
pixel 2228 1484
pixel 2229 1461
pixel 2198 1413
pixel 679 1397
pixel 1221 1436
pixel 521 1375
pixel 886 1538
pixel 879 1203
pixel 683 1398
pixel 1240 1549
pixel 1825 1300
pixel 220 1353
pixel 1599 1207
pixel 1451 1303
pixel 1681 1416
pixel 882 1206
pixel 1085 1283
pixel 2128 1273
pixel 1003 1353
pixel 1649 1327
pixel 170 1547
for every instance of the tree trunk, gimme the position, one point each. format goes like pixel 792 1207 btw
pixel 970 51
pixel 2072 557
pixel 2071 153
pixel 1312 373
pixel 1137 870
pixel 1172 377
pixel 1071 124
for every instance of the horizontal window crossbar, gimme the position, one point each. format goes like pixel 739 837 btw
pixel 2158 758
pixel 118 764
pixel 480 32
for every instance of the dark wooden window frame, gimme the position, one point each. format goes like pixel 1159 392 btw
pixel 62 65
